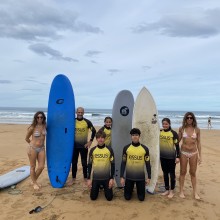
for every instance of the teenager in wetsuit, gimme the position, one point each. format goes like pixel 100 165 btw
pixel 36 148
pixel 101 161
pixel 169 156
pixel 190 153
pixel 81 144
pixel 135 158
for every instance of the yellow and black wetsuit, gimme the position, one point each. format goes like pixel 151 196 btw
pixel 82 127
pixel 107 131
pixel 102 162
pixel 169 151
pixel 169 145
pixel 134 160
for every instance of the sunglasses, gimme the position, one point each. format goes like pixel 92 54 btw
pixel 189 118
pixel 36 210
pixel 39 117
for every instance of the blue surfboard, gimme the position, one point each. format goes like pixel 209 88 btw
pixel 60 130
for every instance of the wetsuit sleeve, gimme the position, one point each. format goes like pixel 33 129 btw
pixel 176 142
pixel 112 159
pixel 123 161
pixel 147 163
pixel 90 161
pixel 92 128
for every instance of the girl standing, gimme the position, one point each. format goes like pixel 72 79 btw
pixel 169 156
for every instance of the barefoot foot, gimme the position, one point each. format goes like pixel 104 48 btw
pixel 171 194
pixel 71 182
pixel 197 197
pixel 35 186
pixel 182 195
pixel 165 193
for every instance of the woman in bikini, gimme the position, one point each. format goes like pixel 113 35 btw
pixel 190 154
pixel 36 148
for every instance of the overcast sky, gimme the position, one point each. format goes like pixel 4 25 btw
pixel 103 46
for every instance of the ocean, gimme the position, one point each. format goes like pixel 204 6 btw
pixel 12 115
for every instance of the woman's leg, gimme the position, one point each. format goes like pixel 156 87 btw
pixel 193 161
pixel 183 170
pixel 32 158
pixel 41 162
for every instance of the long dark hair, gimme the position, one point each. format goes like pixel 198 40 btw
pixel 184 124
pixel 168 121
pixel 34 122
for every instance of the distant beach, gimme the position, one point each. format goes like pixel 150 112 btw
pixel 12 115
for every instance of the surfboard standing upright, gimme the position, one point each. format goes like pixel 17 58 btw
pixel 145 117
pixel 122 123
pixel 60 130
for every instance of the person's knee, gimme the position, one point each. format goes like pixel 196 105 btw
pixel 183 172
pixel 127 197
pixel 109 197
pixel 192 173
pixel 40 167
pixel 141 197
pixel 93 197
pixel 32 167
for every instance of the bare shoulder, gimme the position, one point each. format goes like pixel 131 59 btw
pixel 180 129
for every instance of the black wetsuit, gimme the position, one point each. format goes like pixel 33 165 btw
pixel 101 160
pixel 169 151
pixel 134 159
pixel 82 127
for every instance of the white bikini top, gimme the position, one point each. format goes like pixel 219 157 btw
pixel 185 135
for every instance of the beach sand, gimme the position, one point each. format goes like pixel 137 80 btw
pixel 74 202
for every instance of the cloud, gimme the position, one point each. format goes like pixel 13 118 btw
pixel 5 81
pixel 44 50
pixel 92 53
pixel 35 20
pixel 145 68
pixel 202 24
pixel 113 71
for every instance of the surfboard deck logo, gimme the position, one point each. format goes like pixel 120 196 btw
pixel 154 119
pixel 124 110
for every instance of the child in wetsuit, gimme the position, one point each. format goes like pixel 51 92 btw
pixel 101 161
pixel 169 156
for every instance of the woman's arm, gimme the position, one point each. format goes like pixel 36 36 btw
pixel 28 135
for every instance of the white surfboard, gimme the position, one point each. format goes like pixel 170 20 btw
pixel 145 117
pixel 15 176
pixel 122 112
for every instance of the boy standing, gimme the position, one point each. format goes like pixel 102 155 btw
pixel 135 156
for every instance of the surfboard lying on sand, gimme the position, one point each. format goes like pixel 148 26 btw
pixel 60 130
pixel 122 112
pixel 15 176
pixel 145 117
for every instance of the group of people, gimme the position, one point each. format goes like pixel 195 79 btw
pixel 99 165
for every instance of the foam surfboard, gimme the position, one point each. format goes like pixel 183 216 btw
pixel 60 130
pixel 15 176
pixel 145 117
pixel 122 112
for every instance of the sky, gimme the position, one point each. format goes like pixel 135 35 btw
pixel 171 47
